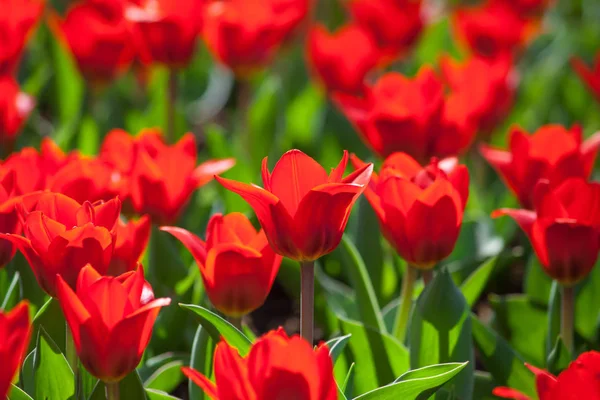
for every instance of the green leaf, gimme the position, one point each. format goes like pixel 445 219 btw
pixel 365 294
pixel 559 358
pixel 166 378
pixel 151 365
pixel 553 318
pixel 264 112
pixel 484 385
pixel 27 373
pixel 154 394
pixel 201 360
pixel 12 293
pixel 337 345
pixel 304 115
pixel 417 384
pixel 505 365
pixel 348 385
pixel 537 283
pixel 53 376
pixel 474 285
pixel 379 357
pixel 587 299
pixel 130 387
pixel 51 319
pixel 217 327
pixel 17 393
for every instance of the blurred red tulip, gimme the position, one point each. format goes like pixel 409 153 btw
pixel 278 368
pixel 9 220
pixel 34 169
pixel 395 24
pixel 158 179
pixel 237 264
pixel 111 319
pixel 132 240
pixel 528 7
pixel 244 35
pixel 493 28
pixel 581 380
pixel 409 115
pixel 552 152
pixel 17 20
pixel 337 68
pixel 564 229
pixel 15 330
pixel 102 41
pixel 169 28
pixel 481 86
pixel 420 209
pixel 62 236
pixel 15 107
pixel 590 76
pixel 303 210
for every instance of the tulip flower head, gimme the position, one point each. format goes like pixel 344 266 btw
pixel 564 229
pixel 9 220
pixel 581 380
pixel 111 319
pixel 237 264
pixel 589 75
pixel 17 20
pixel 302 210
pixel 15 330
pixel 336 67
pixel 15 107
pixel 420 209
pixel 132 240
pixel 278 367
pixel 62 236
pixel 552 152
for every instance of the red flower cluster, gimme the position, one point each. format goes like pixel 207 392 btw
pixel 581 380
pixel 382 31
pixel 420 209
pixel 590 76
pixel 15 330
pixel 267 373
pixel 237 264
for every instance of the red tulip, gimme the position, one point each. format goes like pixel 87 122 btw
pixel 102 41
pixel 111 319
pixel 581 380
pixel 591 76
pixel 493 28
pixel 15 330
pixel 278 368
pixel 132 240
pixel 552 153
pixel 237 264
pixel 158 179
pixel 420 209
pixel 62 236
pixel 17 21
pixel 9 220
pixel 395 24
pixel 482 87
pixel 564 229
pixel 33 169
pixel 303 210
pixel 409 115
pixel 15 107
pixel 337 68
pixel 531 8
pixel 168 28
pixel 245 35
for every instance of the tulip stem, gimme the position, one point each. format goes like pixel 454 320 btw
pixel 112 390
pixel 406 294
pixel 443 346
pixel 427 276
pixel 71 353
pixel 566 318
pixel 236 321
pixel 171 101
pixel 307 300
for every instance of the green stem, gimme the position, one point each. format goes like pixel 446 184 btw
pixel 566 316
pixel 307 300
pixel 427 276
pixel 444 346
pixel 171 101
pixel 236 321
pixel 406 295
pixel 72 356
pixel 112 390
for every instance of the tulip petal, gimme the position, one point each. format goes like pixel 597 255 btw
pixel 459 177
pixel 328 389
pixel 33 259
pixel 87 277
pixel 589 150
pixel 208 169
pixel 75 312
pixel 508 393
pixel 202 382
pixel 357 163
pixel 524 218
pixel 231 374
pixel 107 214
pixel 338 172
pixel 139 324
pixel 545 382
pixel 402 164
pixel 231 228
pixel 195 245
pixel 58 207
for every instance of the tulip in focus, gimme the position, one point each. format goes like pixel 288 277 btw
pixel 589 75
pixel 552 152
pixel 420 209
pixel 132 240
pixel 62 236
pixel 581 380
pixel 15 330
pixel 237 264
pixel 15 107
pixel 564 229
pixel 337 68
pixel 111 319
pixel 302 210
pixel 17 20
pixel 278 367
pixel 156 178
